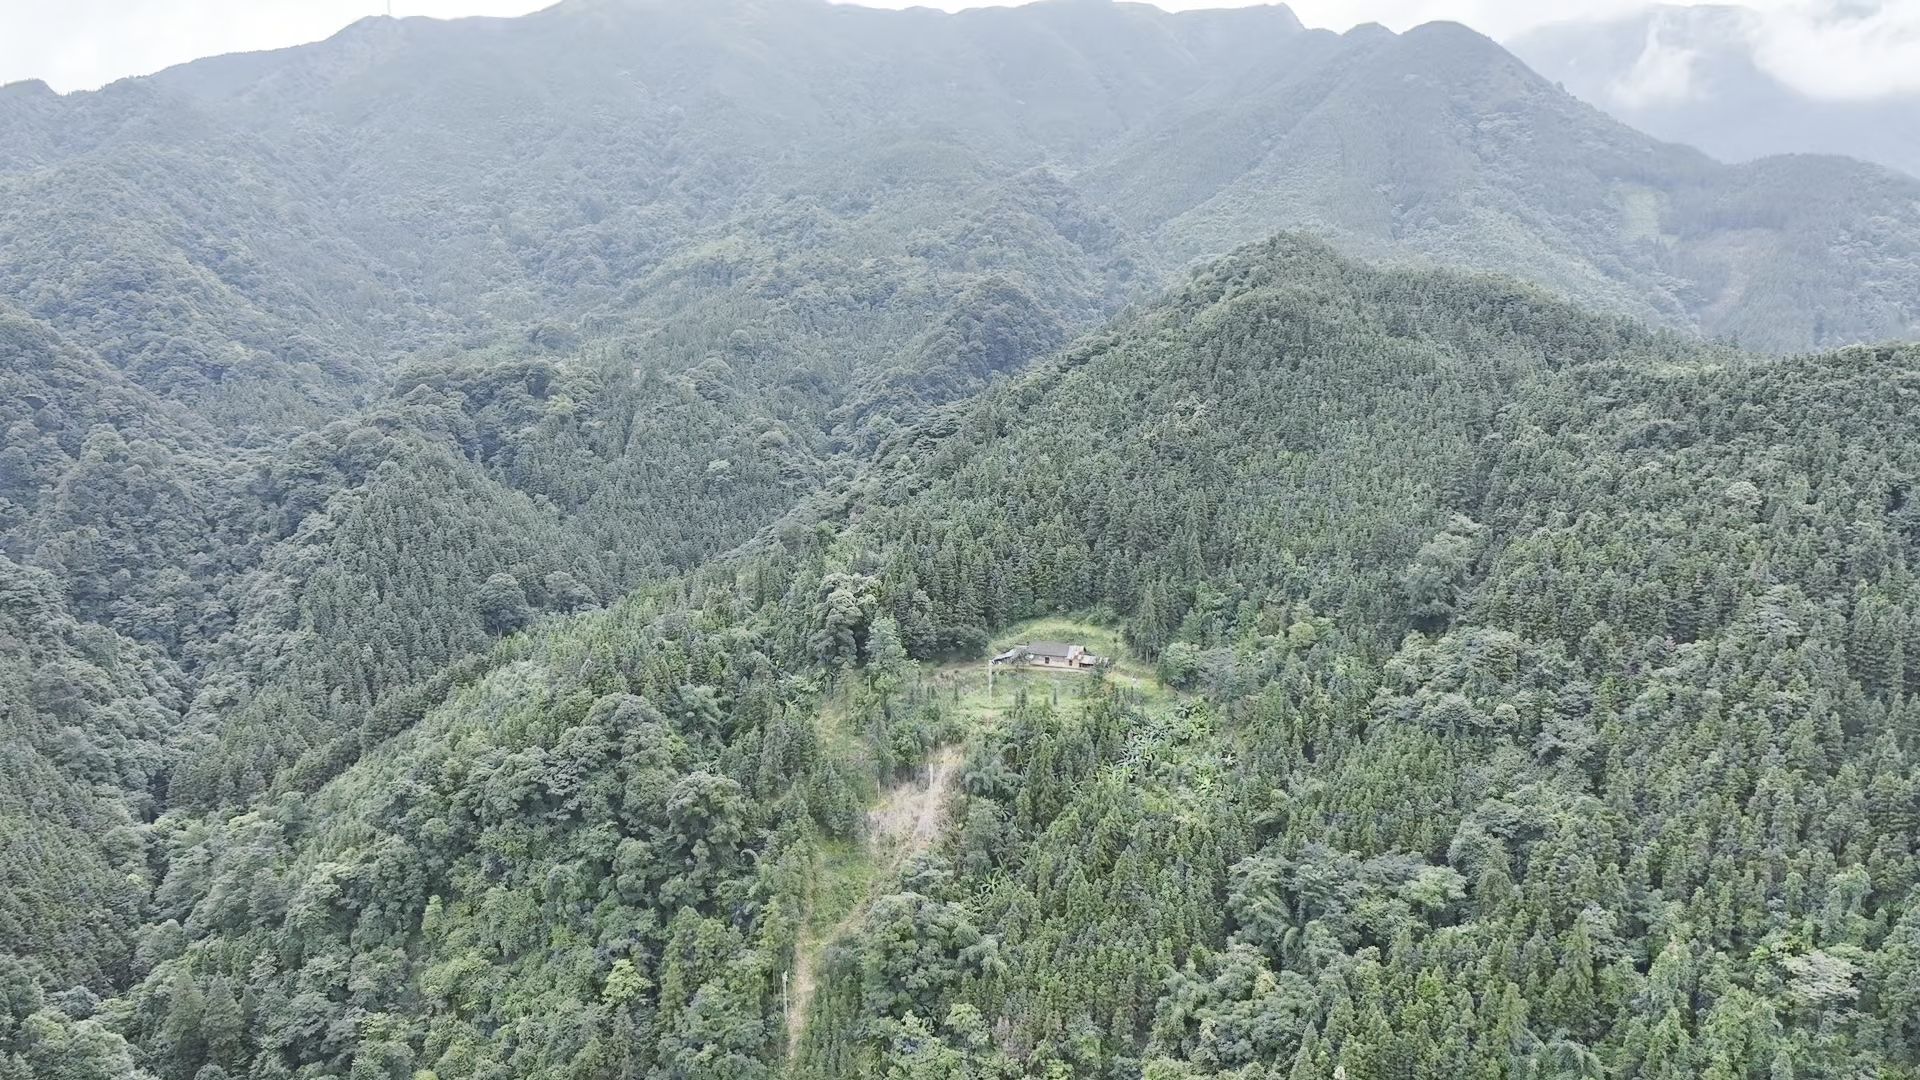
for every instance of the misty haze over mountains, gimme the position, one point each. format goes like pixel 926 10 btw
pixel 752 539
pixel 1192 132
pixel 1701 76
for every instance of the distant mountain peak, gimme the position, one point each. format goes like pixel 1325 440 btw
pixel 1369 31
pixel 1456 38
pixel 27 88
pixel 665 122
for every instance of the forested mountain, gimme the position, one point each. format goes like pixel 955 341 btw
pixel 1439 144
pixel 498 518
pixel 1555 718
pixel 411 181
pixel 1549 716
pixel 1695 75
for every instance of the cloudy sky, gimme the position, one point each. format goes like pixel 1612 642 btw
pixel 1829 48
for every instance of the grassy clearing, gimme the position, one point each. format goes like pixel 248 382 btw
pixel 963 685
pixel 838 737
pixel 843 874
pixel 905 822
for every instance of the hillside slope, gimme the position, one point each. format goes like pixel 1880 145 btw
pixel 1432 552
pixel 413 181
pixel 1438 146
pixel 1557 718
pixel 473 495
pixel 782 228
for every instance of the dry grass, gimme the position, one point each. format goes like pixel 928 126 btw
pixel 905 823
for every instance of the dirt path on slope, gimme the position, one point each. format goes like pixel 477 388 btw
pixel 905 823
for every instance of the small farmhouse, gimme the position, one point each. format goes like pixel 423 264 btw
pixel 1050 654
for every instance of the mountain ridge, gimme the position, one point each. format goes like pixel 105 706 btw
pixel 1263 476
pixel 485 508
pixel 618 88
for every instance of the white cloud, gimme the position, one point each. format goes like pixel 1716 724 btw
pixel 1840 50
pixel 1662 73
pixel 1836 49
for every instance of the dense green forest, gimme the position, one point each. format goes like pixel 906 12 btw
pixel 501 522
pixel 411 182
pixel 1545 713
